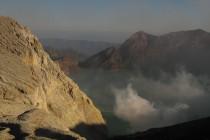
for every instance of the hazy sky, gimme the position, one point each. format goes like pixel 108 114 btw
pixel 111 20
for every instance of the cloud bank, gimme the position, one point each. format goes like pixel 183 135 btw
pixel 165 102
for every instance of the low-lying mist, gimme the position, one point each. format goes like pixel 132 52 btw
pixel 138 103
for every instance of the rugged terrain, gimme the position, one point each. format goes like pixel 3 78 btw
pixel 68 53
pixel 67 59
pixel 149 53
pixel 193 130
pixel 37 100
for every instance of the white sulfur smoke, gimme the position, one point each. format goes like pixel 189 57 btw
pixel 131 107
pixel 143 113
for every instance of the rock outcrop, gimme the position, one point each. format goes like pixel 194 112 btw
pixel 37 100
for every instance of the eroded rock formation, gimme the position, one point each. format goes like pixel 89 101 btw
pixel 37 100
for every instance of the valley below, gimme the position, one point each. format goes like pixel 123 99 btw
pixel 146 82
pixel 132 102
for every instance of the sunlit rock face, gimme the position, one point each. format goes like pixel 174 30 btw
pixel 36 98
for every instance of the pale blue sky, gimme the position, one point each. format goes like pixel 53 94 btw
pixel 109 20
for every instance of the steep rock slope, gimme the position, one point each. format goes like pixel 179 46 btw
pixel 107 59
pixel 193 130
pixel 37 100
pixel 189 49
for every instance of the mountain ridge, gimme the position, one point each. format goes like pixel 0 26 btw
pixel 195 129
pixel 162 53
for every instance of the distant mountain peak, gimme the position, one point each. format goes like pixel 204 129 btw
pixel 165 52
pixel 137 43
pixel 139 35
pixel 199 30
pixel 193 31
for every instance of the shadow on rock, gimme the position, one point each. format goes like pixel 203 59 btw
pixel 193 130
pixel 42 132
pixel 15 130
pixel 92 132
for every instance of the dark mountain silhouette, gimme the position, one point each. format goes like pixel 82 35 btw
pixel 193 130
pixel 188 49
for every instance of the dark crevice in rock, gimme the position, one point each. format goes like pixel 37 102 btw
pixel 91 132
pixel 42 132
pixel 15 130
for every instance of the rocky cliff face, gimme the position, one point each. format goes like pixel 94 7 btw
pixel 37 100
